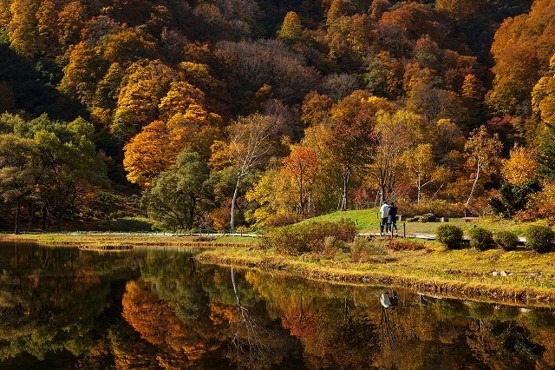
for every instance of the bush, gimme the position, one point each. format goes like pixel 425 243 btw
pixel 311 237
pixel 450 235
pixel 514 198
pixel 481 238
pixel 540 238
pixel 283 219
pixel 397 244
pixel 506 240
pixel 364 250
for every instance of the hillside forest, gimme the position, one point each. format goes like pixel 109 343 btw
pixel 228 114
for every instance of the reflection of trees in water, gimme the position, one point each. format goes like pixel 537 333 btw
pixel 298 321
pixel 178 344
pixel 50 299
pixel 334 330
pixel 180 316
pixel 504 345
pixel 255 343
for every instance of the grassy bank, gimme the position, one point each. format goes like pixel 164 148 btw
pixel 465 273
pixel 429 268
pixel 109 240
pixel 367 221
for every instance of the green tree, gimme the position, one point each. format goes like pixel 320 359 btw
pixel 70 167
pixel 19 171
pixel 394 134
pixel 179 194
pixel 546 154
pixel 352 123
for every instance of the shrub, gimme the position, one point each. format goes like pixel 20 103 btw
pixel 283 219
pixel 481 238
pixel 333 246
pixel 540 238
pixel 506 240
pixel 310 237
pixel 405 245
pixel 364 250
pixel 513 198
pixel 450 235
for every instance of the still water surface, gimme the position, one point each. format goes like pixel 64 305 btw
pixel 150 309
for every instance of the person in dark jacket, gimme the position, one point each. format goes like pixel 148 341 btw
pixel 392 218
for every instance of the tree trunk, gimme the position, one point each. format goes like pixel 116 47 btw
pixel 44 217
pixel 59 219
pixel 419 187
pixel 309 204
pixel 233 200
pixel 301 202
pixel 31 209
pixel 192 212
pixel 16 217
pixel 346 176
pixel 478 167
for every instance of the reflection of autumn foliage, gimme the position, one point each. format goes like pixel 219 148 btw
pixel 128 351
pixel 301 324
pixel 503 345
pixel 255 342
pixel 155 320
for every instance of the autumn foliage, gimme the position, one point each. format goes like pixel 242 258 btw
pixel 298 108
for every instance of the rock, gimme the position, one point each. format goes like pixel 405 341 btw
pixel 503 273
pixel 428 217
pixel 444 219
pixel 495 273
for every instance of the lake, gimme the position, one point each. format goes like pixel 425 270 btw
pixel 63 308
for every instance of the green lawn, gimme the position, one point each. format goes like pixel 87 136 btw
pixel 367 220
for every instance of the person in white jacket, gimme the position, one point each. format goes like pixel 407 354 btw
pixel 384 210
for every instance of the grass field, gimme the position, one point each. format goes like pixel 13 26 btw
pixel 367 221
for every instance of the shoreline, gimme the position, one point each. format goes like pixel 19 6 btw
pixel 433 286
pixel 461 274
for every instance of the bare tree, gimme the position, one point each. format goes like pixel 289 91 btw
pixel 483 155
pixel 250 146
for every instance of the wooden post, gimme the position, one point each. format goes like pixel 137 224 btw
pixel 404 230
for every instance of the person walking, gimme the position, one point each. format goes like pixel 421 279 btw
pixel 384 210
pixel 392 218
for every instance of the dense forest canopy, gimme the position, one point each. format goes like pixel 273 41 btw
pixel 227 113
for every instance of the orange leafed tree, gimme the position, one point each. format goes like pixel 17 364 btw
pixel 302 165
pixel 148 154
pixel 521 48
